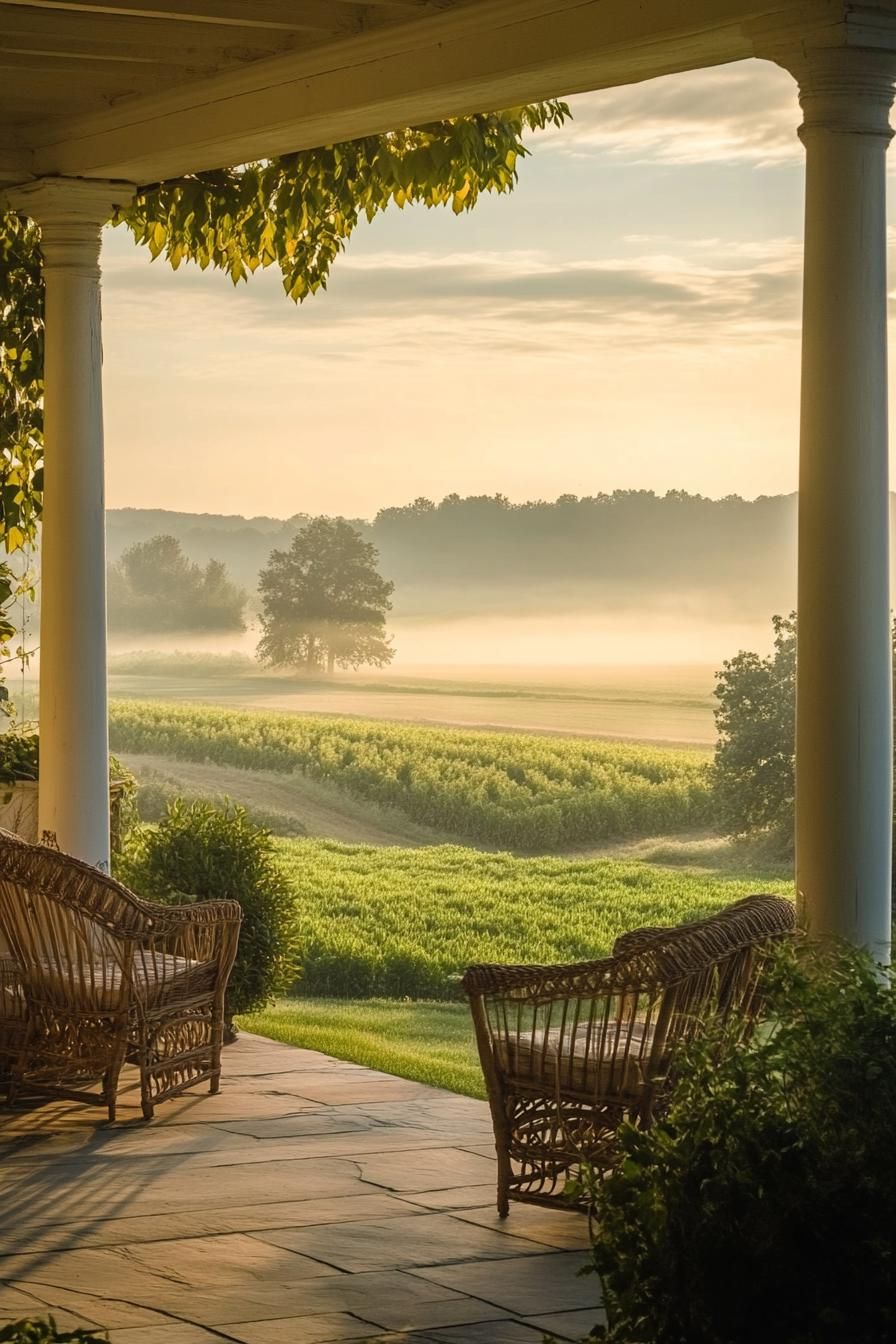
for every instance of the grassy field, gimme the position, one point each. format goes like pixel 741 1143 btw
pixel 668 705
pixel 429 1042
pixel 395 923
pixel 519 790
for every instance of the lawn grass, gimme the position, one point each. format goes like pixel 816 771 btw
pixel 404 923
pixel 427 1042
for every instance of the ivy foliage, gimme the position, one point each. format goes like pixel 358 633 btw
pixel 299 210
pixel 21 381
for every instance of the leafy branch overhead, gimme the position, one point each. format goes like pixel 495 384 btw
pixel 298 211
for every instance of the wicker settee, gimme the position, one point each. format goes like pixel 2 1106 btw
pixel 568 1052
pixel 94 976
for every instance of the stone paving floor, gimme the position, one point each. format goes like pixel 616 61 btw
pixel 311 1200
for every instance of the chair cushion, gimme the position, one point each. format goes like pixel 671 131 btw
pixel 99 983
pixel 608 1065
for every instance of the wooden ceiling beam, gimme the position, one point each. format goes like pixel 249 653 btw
pixel 330 16
pixel 495 53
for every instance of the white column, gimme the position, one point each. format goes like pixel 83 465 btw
pixel 74 733
pixel 844 747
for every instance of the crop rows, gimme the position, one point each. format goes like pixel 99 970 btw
pixel 405 922
pixel 518 790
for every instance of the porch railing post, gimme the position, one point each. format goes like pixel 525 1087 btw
pixel 844 740
pixel 74 735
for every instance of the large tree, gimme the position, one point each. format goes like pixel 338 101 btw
pixel 155 588
pixel 324 602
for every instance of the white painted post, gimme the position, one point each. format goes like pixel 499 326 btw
pixel 74 734
pixel 844 789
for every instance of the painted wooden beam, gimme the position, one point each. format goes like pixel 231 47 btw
pixel 490 54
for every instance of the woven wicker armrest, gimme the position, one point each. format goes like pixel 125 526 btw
pixel 206 931
pixel 197 912
pixel 545 982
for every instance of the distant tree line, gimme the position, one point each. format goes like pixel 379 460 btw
pixel 472 554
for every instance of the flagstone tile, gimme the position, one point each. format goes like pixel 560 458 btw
pixel 351 1293
pixel 524 1286
pixel 318 1121
pixel 14 1303
pixel 198 1223
pixel 106 1313
pixel 561 1228
pixel 379 1140
pixel 234 1258
pixel 460 1197
pixel 86 1145
pixel 300 1329
pixel 507 1331
pixel 338 1088
pixel 427 1239
pixel 574 1325
pixel 173 1333
pixel 139 1272
pixel 162 1188
pixel 426 1315
pixel 426 1170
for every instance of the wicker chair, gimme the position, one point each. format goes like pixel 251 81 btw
pixel 569 1052
pixel 107 977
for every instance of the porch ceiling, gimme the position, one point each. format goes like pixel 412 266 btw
pixel 147 89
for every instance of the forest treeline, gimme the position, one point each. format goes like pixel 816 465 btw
pixel 474 553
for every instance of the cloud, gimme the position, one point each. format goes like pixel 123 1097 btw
pixel 406 306
pixel 746 112
pixel 690 291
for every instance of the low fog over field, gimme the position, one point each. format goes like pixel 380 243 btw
pixel 606 615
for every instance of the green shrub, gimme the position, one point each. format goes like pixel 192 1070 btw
pixel 44 1330
pixel 202 852
pixel 763 1207
pixel 19 756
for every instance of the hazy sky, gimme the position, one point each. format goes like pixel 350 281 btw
pixel 628 317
